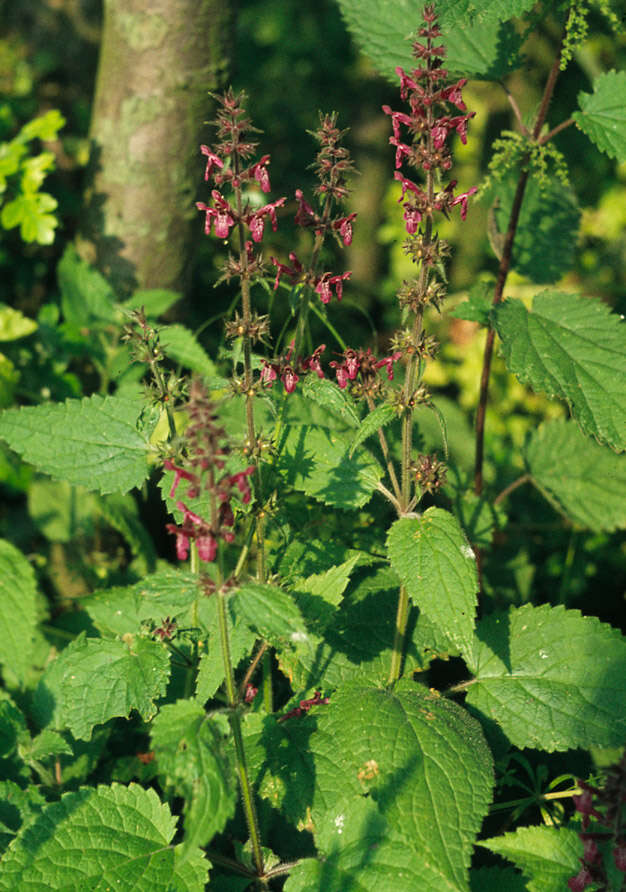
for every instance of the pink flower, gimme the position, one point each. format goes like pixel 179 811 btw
pixel 325 282
pixel 294 272
pixel 439 134
pixel 289 379
pixel 179 473
pixel 207 548
pixel 453 94
pixel 397 118
pixel 222 218
pixel 213 160
pixel 256 220
pixel 260 173
pixel 305 215
pixel 345 228
pixel 268 374
pixel 241 482
pixel 462 200
pixel 388 362
pixel 182 541
pixel 312 363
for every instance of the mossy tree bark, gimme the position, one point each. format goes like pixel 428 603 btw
pixel 158 60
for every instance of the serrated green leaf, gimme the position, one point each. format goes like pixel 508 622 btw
pixel 360 857
pixel 181 345
pixel 585 481
pixel 551 678
pixel 373 421
pixel 95 442
pixel 48 743
pixel 94 680
pixel 478 305
pixel 18 609
pixel 421 758
pixel 18 807
pixel 546 235
pixel 192 764
pixel 602 114
pixel 547 856
pixel 269 610
pixel 13 728
pixel 14 325
pixel 330 585
pixel 475 49
pixel 331 398
pixel 315 460
pixel 468 11
pixel 572 348
pixel 433 559
pixel 123 610
pixel 86 296
pixel 211 670
pixel 155 301
pixel 96 839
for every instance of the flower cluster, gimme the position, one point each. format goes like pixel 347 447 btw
pixel 206 450
pixel 607 807
pixel 286 368
pixel 322 285
pixel 362 366
pixel 429 123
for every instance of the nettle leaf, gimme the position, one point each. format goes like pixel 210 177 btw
pixel 181 345
pixel 424 762
pixel 96 442
pixel 94 680
pixel 18 807
pixel 602 114
pixel 316 461
pixel 482 10
pixel 381 28
pixel 211 670
pixel 269 610
pixel 330 585
pixel 478 304
pixel 98 838
pixel 373 421
pixel 85 293
pixel 331 398
pixel 360 857
pixel 585 481
pixel 123 610
pixel 572 348
pixel 192 764
pixel 546 235
pixel 433 559
pixel 548 856
pixel 18 609
pixel 550 677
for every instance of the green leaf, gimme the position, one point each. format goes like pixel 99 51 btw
pixel 121 512
pixel 95 442
pixel 86 296
pixel 547 856
pixel 60 511
pixel 478 305
pixel 155 301
pixel 475 49
pixel 100 838
pixel 94 680
pixel 330 585
pixel 18 609
pixel 546 235
pixel 331 398
pixel 18 807
pixel 551 678
pixel 372 422
pixel 123 610
pixel 424 762
pixel 14 325
pixel 360 857
pixel 602 114
pixel 48 743
pixel 29 211
pixel 433 559
pixel 211 670
pixel 315 460
pixel 269 610
pixel 585 481
pixel 467 11
pixel 45 127
pixel 192 764
pixel 181 345
pixel 572 348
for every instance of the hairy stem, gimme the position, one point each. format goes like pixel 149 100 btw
pixel 503 272
pixel 402 616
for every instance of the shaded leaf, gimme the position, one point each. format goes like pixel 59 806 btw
pixel 572 348
pixel 315 460
pixel 585 481
pixel 373 421
pixel 155 301
pixel 181 345
pixel 269 610
pixel 86 296
pixel 18 609
pixel 95 442
pixel 331 398
pixel 602 114
pixel 526 679
pixel 433 559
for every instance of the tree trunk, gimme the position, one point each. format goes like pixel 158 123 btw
pixel 158 60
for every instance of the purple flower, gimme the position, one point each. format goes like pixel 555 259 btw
pixel 256 220
pixel 344 225
pixel 282 269
pixel 213 160
pixel 259 171
pixel 324 285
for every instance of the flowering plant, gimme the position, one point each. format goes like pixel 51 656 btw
pixel 331 681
